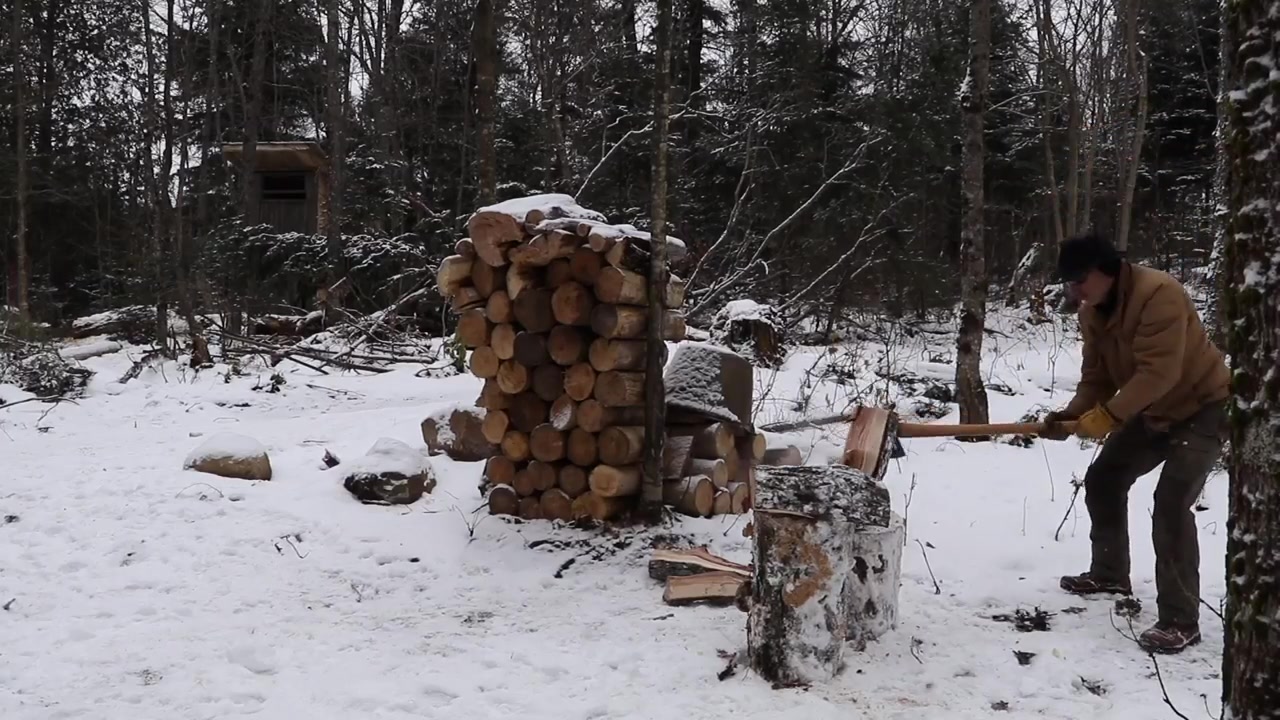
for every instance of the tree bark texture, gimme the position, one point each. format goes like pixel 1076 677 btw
pixel 1251 654
pixel 20 132
pixel 970 391
pixel 655 405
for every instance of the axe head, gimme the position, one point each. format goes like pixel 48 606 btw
pixel 895 448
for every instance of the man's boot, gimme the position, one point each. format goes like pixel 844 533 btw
pixel 1168 638
pixel 1089 584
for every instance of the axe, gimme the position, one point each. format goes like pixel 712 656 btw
pixel 874 433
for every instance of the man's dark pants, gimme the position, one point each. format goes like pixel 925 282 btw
pixel 1189 450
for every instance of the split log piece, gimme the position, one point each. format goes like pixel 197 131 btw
pixel 630 321
pixel 498 307
pixel 572 303
pixel 527 411
pixel 568 345
pixel 718 589
pixel 609 354
pixel 513 377
pixel 503 341
pixel 715 440
pixel 491 397
pixel 531 508
pixel 679 562
pixel 613 481
pixel 491 233
pixel 547 443
pixel 474 328
pixel 503 500
pixel 593 416
pixel 717 470
pixel 453 273
pixel 531 349
pixel 521 279
pixel 690 496
pixel 524 482
pixel 515 445
pixel 543 474
pixel 484 362
pixel 621 444
pixel 559 272
pixel 487 278
pixel 494 426
pixel 596 507
pixel 580 381
pixel 583 448
pixel 573 480
pixel 620 389
pixel 564 411
pixel 557 505
pixel 676 455
pixel 500 470
pixel 533 310
pixel 467 298
pixel 548 382
pixel 585 265
pixel 623 287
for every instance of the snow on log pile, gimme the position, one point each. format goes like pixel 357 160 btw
pixel 552 303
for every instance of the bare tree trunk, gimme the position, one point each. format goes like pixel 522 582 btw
pixel 655 391
pixel 486 54
pixel 1136 70
pixel 1046 126
pixel 20 131
pixel 1251 653
pixel 333 108
pixel 158 179
pixel 253 113
pixel 1214 313
pixel 970 391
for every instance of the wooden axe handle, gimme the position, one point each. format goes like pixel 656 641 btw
pixel 920 430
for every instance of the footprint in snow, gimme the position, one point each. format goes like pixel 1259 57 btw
pixel 257 660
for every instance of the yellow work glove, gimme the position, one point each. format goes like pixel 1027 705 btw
pixel 1097 423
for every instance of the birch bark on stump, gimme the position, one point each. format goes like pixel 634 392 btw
pixel 871 590
pixel 806 520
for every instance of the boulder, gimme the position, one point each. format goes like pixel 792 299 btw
pixel 391 473
pixel 455 431
pixel 231 455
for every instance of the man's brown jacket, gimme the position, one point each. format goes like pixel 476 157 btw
pixel 1149 355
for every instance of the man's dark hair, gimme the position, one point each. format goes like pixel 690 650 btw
pixel 1082 253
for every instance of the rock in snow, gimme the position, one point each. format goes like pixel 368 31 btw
pixel 231 455
pixel 390 473
pixel 456 431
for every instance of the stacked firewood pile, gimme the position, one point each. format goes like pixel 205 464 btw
pixel 552 303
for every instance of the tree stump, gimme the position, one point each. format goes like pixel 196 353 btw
pixel 711 382
pixel 806 545
pixel 871 590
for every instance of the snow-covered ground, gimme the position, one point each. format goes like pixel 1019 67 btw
pixel 133 589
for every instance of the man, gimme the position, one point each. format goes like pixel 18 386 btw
pixel 1154 386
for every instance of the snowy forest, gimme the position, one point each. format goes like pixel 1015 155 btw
pixel 801 136
pixel 337 335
